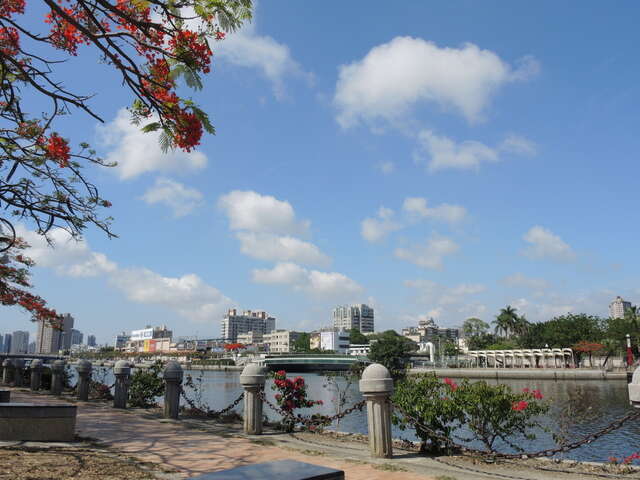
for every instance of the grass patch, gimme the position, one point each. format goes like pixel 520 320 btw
pixel 389 467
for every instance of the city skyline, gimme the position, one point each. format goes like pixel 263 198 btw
pixel 331 182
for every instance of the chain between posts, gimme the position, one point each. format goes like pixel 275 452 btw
pixel 541 453
pixel 211 413
pixel 311 421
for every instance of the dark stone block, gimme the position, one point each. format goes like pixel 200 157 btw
pixel 37 422
pixel 5 396
pixel 278 470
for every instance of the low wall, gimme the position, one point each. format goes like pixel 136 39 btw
pixel 37 422
pixel 523 373
pixel 5 396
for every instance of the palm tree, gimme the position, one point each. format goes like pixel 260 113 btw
pixel 522 325
pixel 506 320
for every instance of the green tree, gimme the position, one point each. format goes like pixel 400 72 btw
pixel 392 351
pixel 302 343
pixel 564 331
pixel 474 326
pixel 505 321
pixel 357 338
pixel 482 341
pixel 146 385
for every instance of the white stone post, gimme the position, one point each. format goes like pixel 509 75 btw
pixel 57 369
pixel 7 374
pixel 252 380
pixel 634 389
pixel 377 385
pixel 122 372
pixel 36 374
pixel 172 375
pixel 84 368
pixel 18 379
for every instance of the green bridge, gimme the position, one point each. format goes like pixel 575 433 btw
pixel 312 362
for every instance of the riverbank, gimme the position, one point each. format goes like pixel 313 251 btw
pixel 190 447
pixel 523 373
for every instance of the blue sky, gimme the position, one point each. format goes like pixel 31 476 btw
pixel 433 159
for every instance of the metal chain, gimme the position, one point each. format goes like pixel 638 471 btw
pixel 541 453
pixel 211 413
pixel 311 421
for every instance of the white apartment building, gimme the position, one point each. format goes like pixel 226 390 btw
pixel 52 340
pixel 235 323
pixel 360 316
pixel 280 341
pixel 335 340
pixel 250 338
pixel 618 308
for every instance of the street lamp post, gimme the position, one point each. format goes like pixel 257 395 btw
pixel 629 351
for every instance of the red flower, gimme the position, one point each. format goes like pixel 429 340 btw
pixel 220 35
pixel 525 390
pixel 519 406
pixel 453 385
pixel 537 395
pixel 58 150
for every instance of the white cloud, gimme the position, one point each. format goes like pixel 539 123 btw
pixel 187 295
pixel 520 280
pixel 449 303
pixel 248 210
pixel 417 207
pixel 265 246
pixel 395 77
pixel 321 284
pixel 181 199
pixel 444 153
pixel 518 145
pixel 429 255
pixel 273 59
pixel 386 168
pixel 544 244
pixel 137 152
pixel 376 229
pixel 67 256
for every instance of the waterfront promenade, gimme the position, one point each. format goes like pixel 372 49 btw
pixel 187 448
pixel 524 373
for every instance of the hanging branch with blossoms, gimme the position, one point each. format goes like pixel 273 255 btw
pixel 292 394
pixel 153 45
pixel 14 280
pixel 150 43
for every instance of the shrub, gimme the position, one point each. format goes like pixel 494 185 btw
pixel 146 385
pixel 291 394
pixel 490 412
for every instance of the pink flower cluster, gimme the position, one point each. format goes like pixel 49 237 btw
pixel 292 393
pixel 453 385
pixel 536 393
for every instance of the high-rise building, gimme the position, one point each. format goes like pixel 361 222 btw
pixel 32 347
pixel 65 337
pixel 47 338
pixel 360 316
pixel 91 340
pixel 76 337
pixel 280 341
pixel 1 344
pixel 618 308
pixel 7 343
pixel 19 342
pixel 235 323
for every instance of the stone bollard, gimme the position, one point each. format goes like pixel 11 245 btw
pixel 7 374
pixel 36 374
pixel 122 372
pixel 18 364
pixel 252 380
pixel 57 370
pixel 376 385
pixel 84 377
pixel 172 375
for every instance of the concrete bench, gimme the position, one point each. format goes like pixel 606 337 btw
pixel 5 396
pixel 37 422
pixel 278 470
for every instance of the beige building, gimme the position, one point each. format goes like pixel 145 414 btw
pixel 250 338
pixel 359 316
pixel 280 341
pixel 618 308
pixel 236 323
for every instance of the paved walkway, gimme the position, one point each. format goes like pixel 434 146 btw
pixel 191 452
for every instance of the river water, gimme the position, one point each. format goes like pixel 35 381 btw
pixel 577 408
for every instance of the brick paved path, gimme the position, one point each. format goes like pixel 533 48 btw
pixel 194 452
